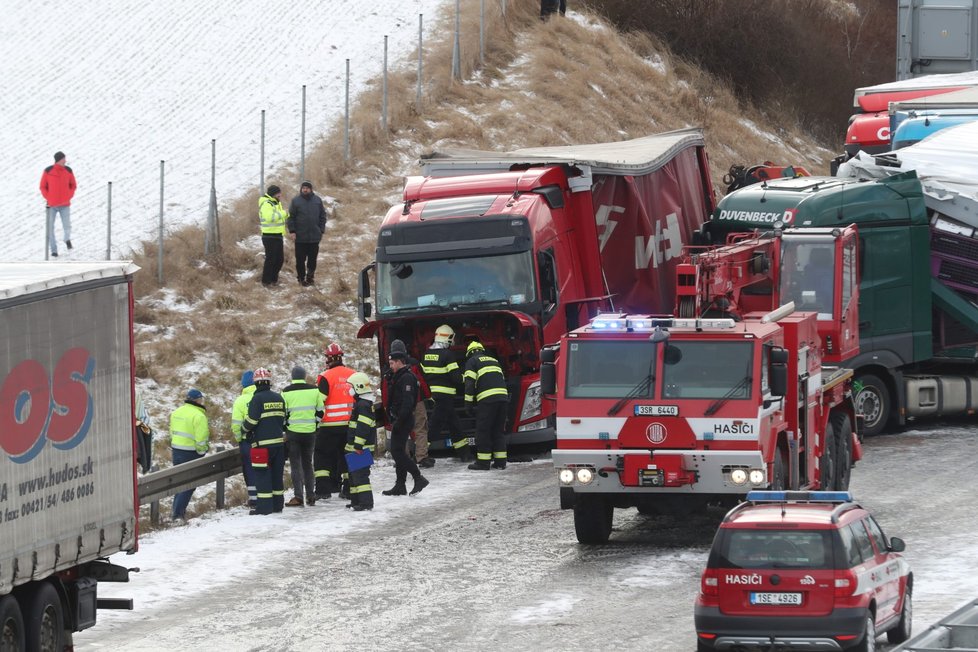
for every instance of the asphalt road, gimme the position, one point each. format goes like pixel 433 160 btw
pixel 498 567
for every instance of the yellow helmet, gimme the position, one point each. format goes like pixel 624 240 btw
pixel 444 333
pixel 360 382
pixel 473 347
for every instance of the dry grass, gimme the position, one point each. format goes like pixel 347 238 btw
pixel 572 80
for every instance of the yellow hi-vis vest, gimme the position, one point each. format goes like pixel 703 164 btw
pixel 239 411
pixel 300 408
pixel 188 429
pixel 271 216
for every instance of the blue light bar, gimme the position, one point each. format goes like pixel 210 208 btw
pixel 799 496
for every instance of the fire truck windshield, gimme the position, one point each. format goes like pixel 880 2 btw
pixel 455 283
pixel 807 273
pixel 610 369
pixel 710 369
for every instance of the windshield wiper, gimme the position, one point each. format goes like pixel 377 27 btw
pixel 429 308
pixel 455 305
pixel 717 404
pixel 641 388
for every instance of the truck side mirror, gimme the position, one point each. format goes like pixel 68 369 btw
pixel 364 309
pixel 548 370
pixel 778 371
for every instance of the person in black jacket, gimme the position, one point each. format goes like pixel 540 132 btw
pixel 485 389
pixel 306 224
pixel 403 388
pixel 265 429
pixel 444 377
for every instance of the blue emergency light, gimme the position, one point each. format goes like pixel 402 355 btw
pixel 799 496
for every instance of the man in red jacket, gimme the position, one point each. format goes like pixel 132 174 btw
pixel 58 187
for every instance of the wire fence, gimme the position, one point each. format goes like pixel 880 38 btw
pixel 212 230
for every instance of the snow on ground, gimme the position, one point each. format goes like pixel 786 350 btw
pixel 120 85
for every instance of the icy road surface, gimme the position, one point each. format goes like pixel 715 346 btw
pixel 488 561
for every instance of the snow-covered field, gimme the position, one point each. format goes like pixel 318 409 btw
pixel 120 85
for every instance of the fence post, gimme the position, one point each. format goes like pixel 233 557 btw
pixel 47 231
pixel 154 512
pixel 108 226
pixel 456 47
pixel 383 113
pixel 159 248
pixel 504 8
pixel 220 493
pixel 211 241
pixel 261 179
pixel 302 139
pixel 420 59
pixel 346 119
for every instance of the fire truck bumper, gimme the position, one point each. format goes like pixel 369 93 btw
pixel 680 472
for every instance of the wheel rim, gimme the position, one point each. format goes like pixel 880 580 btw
pixel 870 405
pixel 870 635
pixel 8 636
pixel 49 634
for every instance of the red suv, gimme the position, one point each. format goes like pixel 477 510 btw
pixel 802 570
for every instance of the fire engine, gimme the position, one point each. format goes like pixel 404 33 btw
pixel 733 392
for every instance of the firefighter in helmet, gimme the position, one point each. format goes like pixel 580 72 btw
pixel 485 389
pixel 328 461
pixel 361 436
pixel 264 427
pixel 444 377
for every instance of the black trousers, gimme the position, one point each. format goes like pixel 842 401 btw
pixel 305 260
pixel 361 492
pixel 270 481
pixel 548 7
pixel 328 459
pixel 300 447
pixel 445 416
pixel 490 430
pixel 403 463
pixel 274 257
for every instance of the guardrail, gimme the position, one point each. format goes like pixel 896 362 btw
pixel 168 482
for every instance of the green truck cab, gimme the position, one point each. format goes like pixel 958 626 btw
pixel 918 328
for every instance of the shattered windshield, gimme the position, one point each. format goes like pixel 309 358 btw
pixel 455 283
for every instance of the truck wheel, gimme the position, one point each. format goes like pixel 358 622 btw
pixel 592 519
pixel 842 428
pixel 827 461
pixel 901 632
pixel 873 402
pixel 11 625
pixel 44 620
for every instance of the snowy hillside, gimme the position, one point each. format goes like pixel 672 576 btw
pixel 121 85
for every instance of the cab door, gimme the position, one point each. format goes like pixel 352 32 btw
pixel 888 573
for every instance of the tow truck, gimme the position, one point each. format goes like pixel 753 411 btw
pixel 733 392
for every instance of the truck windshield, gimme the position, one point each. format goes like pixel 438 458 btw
pixel 608 369
pixel 455 283
pixel 709 369
pixel 807 272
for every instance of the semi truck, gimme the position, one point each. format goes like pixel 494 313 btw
pixel 936 36
pixel 913 120
pixel 735 391
pixel 918 326
pixel 67 467
pixel 514 249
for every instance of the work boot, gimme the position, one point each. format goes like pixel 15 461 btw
pixel 465 455
pixel 295 502
pixel 311 502
pixel 310 280
pixel 362 508
pixel 479 465
pixel 499 464
pixel 420 483
pixel 345 490
pixel 426 462
pixel 68 243
pixel 396 490
pixel 325 496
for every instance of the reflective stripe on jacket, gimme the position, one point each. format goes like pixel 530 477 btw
pixel 265 422
pixel 239 411
pixel 303 407
pixel 189 430
pixel 271 216
pixel 484 379
pixel 362 433
pixel 441 371
pixel 339 402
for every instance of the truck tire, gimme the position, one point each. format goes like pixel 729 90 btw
pixel 873 402
pixel 901 632
pixel 11 625
pixel 842 429
pixel 44 620
pixel 827 461
pixel 592 519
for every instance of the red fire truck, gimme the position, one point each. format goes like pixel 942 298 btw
pixel 732 393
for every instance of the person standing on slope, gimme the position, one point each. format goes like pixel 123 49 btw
pixel 306 224
pixel 271 217
pixel 58 187
pixel 189 440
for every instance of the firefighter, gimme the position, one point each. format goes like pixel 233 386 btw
pixel 264 428
pixel 303 409
pixel 485 389
pixel 328 461
pixel 442 372
pixel 239 411
pixel 361 436
pixel 403 398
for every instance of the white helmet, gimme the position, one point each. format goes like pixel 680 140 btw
pixel 444 333
pixel 360 382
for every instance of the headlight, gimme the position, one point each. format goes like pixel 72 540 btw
pixel 738 476
pixel 757 476
pixel 584 476
pixel 566 476
pixel 531 404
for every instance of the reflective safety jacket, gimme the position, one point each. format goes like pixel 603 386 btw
pixel 332 383
pixel 303 407
pixel 239 411
pixel 362 433
pixel 484 379
pixel 441 371
pixel 265 422
pixel 271 216
pixel 189 430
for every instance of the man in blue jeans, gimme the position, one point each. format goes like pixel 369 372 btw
pixel 189 440
pixel 58 187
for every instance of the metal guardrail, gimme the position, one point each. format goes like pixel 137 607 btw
pixel 189 475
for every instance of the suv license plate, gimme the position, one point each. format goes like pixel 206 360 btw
pixel 775 598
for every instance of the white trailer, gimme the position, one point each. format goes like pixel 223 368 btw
pixel 936 37
pixel 67 469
